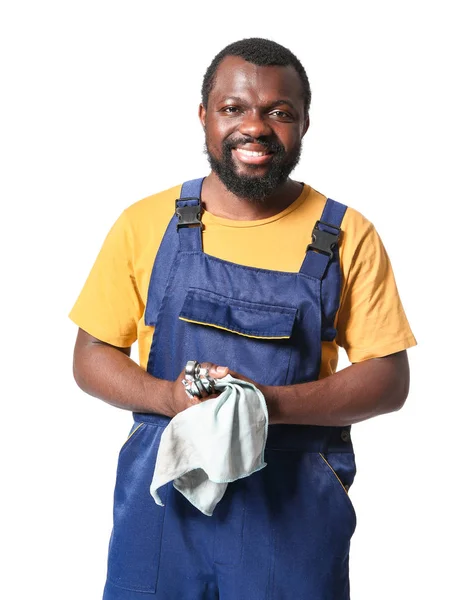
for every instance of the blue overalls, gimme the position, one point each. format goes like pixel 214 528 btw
pixel 284 532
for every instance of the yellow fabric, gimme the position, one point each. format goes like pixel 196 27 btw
pixel 256 337
pixel 371 321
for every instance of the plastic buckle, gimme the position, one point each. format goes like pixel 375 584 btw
pixel 188 216
pixel 324 241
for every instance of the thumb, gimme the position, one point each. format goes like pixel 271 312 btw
pixel 218 372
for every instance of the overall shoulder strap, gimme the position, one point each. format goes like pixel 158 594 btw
pixel 325 236
pixel 322 262
pixel 176 238
pixel 188 214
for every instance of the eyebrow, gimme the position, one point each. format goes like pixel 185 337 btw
pixel 279 102
pixel 272 105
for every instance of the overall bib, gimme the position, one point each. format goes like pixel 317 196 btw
pixel 284 532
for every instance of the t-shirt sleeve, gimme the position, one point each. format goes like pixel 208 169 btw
pixel 109 305
pixel 371 321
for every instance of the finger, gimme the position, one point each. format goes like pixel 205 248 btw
pixel 194 400
pixel 215 371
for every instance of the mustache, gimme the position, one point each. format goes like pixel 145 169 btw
pixel 269 144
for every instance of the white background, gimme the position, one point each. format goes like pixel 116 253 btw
pixel 99 109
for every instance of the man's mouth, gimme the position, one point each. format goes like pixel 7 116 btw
pixel 252 156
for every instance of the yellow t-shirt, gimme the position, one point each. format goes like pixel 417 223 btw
pixel 370 322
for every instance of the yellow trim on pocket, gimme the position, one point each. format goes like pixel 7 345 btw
pixel 256 337
pixel 335 474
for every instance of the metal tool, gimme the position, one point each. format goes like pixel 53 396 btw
pixel 197 382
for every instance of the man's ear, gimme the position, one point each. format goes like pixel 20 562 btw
pixel 202 114
pixel 307 122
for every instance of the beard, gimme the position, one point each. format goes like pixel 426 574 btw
pixel 259 187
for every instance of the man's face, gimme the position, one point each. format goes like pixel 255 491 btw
pixel 254 123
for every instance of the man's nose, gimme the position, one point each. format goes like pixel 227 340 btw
pixel 255 125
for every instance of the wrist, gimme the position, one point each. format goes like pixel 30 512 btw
pixel 167 398
pixel 276 399
pixel 158 395
pixel 268 392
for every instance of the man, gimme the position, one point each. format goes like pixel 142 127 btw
pixel 262 277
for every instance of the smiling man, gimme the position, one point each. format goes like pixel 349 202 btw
pixel 254 120
pixel 257 275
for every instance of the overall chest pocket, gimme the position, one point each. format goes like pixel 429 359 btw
pixel 254 339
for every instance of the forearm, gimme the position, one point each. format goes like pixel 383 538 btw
pixel 361 391
pixel 106 372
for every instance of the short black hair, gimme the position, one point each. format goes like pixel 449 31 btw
pixel 261 52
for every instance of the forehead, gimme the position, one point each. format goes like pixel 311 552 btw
pixel 238 78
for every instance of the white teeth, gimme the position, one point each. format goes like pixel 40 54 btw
pixel 250 152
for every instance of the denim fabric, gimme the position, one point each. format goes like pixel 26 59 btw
pixel 248 318
pixel 283 532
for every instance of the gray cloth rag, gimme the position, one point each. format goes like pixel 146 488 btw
pixel 210 444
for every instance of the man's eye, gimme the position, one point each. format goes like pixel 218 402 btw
pixel 280 114
pixel 230 109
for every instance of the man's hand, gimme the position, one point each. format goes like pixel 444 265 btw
pixel 181 401
pixel 361 391
pixel 107 372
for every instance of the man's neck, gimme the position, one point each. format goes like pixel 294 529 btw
pixel 219 201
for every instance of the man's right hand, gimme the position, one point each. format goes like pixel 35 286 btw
pixel 179 398
pixel 106 372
